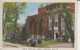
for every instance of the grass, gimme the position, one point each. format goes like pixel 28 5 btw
pixel 39 45
pixel 48 43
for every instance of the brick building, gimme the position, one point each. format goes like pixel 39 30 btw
pixel 45 22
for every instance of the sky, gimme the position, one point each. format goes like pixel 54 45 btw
pixel 31 9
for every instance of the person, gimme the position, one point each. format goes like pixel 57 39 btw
pixel 32 42
pixel 28 41
pixel 39 41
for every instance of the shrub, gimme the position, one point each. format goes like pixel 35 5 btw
pixel 66 38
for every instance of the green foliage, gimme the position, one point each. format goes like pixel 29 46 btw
pixel 49 42
pixel 68 22
pixel 49 35
pixel 54 11
pixel 9 32
pixel 12 10
pixel 67 19
pixel 24 33
pixel 18 33
pixel 41 5
pixel 66 38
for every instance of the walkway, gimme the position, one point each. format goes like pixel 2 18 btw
pixel 5 44
pixel 65 45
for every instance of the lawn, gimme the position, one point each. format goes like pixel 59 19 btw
pixel 48 43
pixel 39 45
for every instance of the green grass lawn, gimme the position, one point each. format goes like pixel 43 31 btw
pixel 47 43
pixel 39 45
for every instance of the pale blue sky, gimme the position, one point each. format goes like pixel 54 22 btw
pixel 31 9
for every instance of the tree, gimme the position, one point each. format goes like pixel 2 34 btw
pixel 12 11
pixel 8 32
pixel 41 5
pixel 25 35
pixel 68 21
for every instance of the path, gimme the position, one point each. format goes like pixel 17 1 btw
pixel 65 45
pixel 5 44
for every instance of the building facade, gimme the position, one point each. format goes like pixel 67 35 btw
pixel 49 21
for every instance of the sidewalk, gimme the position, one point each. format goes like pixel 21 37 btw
pixel 65 45
pixel 5 44
pixel 11 45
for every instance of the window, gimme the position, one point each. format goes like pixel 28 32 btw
pixel 56 16
pixel 62 32
pixel 49 22
pixel 45 24
pixel 63 14
pixel 62 23
pixel 49 17
pixel 31 36
pixel 49 25
pixel 59 8
pixel 35 36
pixel 55 24
pixel 73 14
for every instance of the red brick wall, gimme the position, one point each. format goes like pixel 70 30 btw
pixel 59 24
pixel 44 12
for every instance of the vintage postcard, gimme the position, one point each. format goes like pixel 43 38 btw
pixel 39 25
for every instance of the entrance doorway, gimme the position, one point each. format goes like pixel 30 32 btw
pixel 56 35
